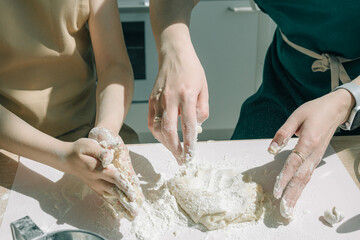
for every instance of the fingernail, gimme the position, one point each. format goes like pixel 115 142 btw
pixel 274 148
pixel 285 210
pixel 277 189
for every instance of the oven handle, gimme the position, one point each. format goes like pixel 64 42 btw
pixel 242 9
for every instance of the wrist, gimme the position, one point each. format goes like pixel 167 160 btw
pixel 345 102
pixel 61 154
pixel 175 41
pixel 113 128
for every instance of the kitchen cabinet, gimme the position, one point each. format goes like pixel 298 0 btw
pixel 226 44
pixel 225 37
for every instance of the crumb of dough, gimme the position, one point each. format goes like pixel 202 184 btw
pixel 199 128
pixel 333 216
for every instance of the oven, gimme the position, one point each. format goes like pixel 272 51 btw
pixel 140 46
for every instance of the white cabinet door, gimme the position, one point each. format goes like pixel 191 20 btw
pixel 226 43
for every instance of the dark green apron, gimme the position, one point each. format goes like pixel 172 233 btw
pixel 322 26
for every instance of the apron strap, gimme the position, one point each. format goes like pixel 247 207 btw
pixel 324 62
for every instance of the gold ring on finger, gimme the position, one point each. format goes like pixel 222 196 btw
pixel 300 154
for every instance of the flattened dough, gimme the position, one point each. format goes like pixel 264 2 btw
pixel 217 197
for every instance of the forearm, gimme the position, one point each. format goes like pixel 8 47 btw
pixel 115 77
pixel 19 137
pixel 170 20
pixel 114 95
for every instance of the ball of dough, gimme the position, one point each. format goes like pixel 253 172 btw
pixel 217 197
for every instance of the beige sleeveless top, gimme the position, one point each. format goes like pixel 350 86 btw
pixel 47 74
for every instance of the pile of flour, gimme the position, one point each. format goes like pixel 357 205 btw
pixel 162 218
pixel 161 215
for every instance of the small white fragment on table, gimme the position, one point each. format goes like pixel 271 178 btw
pixel 333 216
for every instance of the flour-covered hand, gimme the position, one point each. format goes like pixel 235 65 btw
pixel 83 158
pixel 314 123
pixel 180 89
pixel 127 187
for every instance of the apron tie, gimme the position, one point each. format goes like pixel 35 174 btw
pixel 324 62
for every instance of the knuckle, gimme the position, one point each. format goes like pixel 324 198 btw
pixel 188 126
pixel 188 144
pixel 306 143
pixel 113 178
pixel 311 142
pixel 203 113
pixel 315 140
pixel 152 99
pixel 169 131
pixel 157 128
pixel 91 167
pixel 186 94
pixel 302 178
pixel 282 133
pixel 307 178
pixel 166 96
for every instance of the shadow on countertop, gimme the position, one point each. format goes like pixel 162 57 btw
pixel 265 175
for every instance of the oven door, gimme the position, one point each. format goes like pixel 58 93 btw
pixel 141 48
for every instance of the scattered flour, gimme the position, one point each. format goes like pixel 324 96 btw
pixel 5 196
pixel 159 213
pixel 162 216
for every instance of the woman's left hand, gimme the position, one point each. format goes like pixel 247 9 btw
pixel 315 123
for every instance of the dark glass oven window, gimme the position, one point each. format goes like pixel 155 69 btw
pixel 134 33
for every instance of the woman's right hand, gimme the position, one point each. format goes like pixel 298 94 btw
pixel 180 89
pixel 83 159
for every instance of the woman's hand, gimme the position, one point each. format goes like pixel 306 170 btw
pixel 180 89
pixel 314 123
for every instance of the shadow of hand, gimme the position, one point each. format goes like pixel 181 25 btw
pixel 351 225
pixel 265 175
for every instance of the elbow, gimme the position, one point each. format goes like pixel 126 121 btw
pixel 118 73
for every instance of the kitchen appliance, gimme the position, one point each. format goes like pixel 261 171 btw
pixel 140 45
pixel 26 229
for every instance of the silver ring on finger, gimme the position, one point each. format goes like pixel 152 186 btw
pixel 300 154
pixel 157 119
